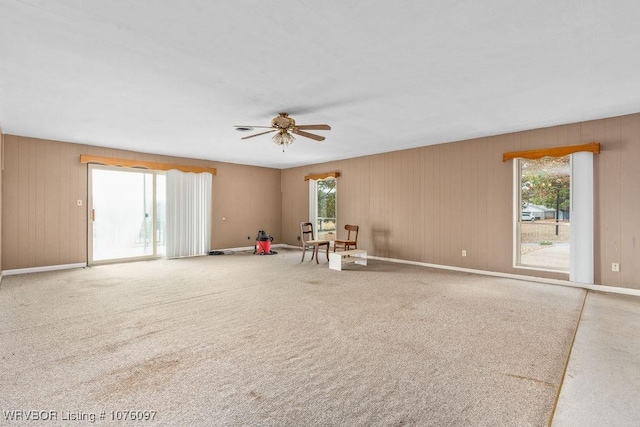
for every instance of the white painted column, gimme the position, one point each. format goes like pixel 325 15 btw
pixel 582 228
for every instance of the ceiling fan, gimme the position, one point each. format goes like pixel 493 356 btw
pixel 284 126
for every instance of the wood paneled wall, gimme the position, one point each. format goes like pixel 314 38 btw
pixel 42 180
pixel 428 204
pixel 424 204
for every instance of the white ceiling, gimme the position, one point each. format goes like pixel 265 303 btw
pixel 173 77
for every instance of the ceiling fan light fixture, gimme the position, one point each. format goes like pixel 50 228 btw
pixel 283 138
pixel 288 138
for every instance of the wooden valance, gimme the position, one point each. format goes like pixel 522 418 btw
pixel 593 147
pixel 318 176
pixel 112 161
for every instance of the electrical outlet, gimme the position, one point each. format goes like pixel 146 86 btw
pixel 464 252
pixel 615 267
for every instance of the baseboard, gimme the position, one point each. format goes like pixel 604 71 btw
pixel 592 287
pixel 44 268
pixel 82 264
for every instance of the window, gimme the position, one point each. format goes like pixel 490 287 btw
pixel 549 167
pixel 322 207
pixel 543 213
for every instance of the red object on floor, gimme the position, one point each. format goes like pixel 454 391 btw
pixel 263 247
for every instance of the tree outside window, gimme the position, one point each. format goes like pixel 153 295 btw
pixel 326 208
pixel 547 182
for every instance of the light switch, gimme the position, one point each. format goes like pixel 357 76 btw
pixel 79 202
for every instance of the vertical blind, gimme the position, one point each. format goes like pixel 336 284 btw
pixel 188 213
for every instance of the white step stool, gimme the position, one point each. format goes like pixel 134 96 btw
pixel 336 259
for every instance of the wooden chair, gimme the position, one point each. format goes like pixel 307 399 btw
pixel 308 241
pixel 349 242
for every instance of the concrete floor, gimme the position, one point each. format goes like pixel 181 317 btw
pixel 553 256
pixel 602 381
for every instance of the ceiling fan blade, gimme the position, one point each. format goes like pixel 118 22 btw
pixel 314 127
pixel 241 126
pixel 308 135
pixel 261 133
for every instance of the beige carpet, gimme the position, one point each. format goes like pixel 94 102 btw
pixel 265 340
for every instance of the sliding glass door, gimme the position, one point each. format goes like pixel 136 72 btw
pixel 126 208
